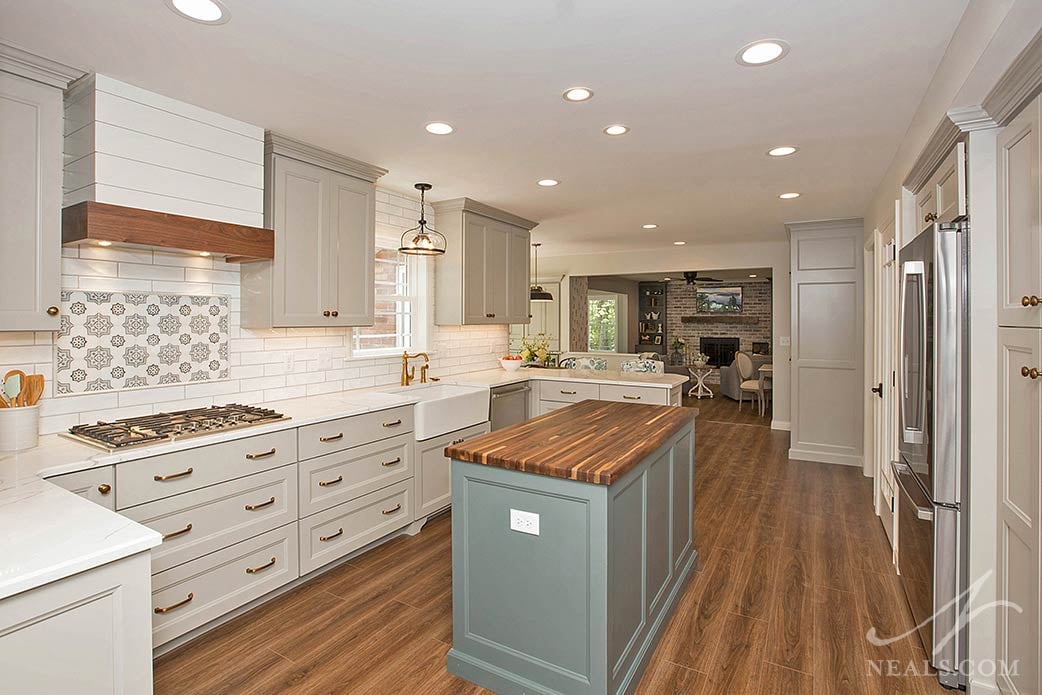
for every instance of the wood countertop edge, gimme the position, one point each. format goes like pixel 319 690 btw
pixel 481 451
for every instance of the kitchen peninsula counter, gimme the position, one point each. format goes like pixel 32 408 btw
pixel 572 539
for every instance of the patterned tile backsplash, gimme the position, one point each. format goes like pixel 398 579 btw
pixel 123 340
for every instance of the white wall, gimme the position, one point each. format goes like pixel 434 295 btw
pixel 774 255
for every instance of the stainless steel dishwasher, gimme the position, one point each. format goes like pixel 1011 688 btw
pixel 509 405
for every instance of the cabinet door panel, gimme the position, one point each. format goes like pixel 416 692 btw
pixel 926 205
pixel 950 185
pixel 1020 224
pixel 30 198
pixel 518 271
pixel 352 245
pixel 95 484
pixel 474 254
pixel 433 486
pixel 303 284
pixel 1020 458
pixel 497 272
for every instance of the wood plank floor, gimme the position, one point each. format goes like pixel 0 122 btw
pixel 794 571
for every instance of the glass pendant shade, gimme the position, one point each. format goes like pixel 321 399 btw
pixel 422 240
pixel 535 292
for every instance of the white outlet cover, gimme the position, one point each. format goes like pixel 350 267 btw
pixel 784 341
pixel 524 522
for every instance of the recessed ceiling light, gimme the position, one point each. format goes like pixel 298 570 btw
pixel 439 128
pixel 104 243
pixel 649 226
pixel 679 243
pixel 617 129
pixel 578 94
pixel 763 52
pixel 753 275
pixel 789 196
pixel 783 151
pixel 548 183
pixel 202 11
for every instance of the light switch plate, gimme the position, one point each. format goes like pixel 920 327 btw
pixel 784 341
pixel 524 522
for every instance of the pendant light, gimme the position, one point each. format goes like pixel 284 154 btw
pixel 536 293
pixel 422 240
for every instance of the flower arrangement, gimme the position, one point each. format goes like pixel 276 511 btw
pixel 700 359
pixel 535 349
pixel 679 344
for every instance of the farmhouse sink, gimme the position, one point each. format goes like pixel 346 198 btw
pixel 444 408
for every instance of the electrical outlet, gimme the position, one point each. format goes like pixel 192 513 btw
pixel 524 522
pixel 785 341
pixel 287 362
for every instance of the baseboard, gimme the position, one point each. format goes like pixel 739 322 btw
pixel 824 457
pixel 783 425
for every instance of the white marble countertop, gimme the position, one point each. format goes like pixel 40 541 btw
pixel 501 377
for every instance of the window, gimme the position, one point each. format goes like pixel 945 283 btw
pixel 399 320
pixel 604 323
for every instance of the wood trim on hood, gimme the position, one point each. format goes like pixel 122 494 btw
pixel 91 222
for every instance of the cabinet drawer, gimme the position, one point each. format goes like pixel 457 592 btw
pixel 568 391
pixel 96 484
pixel 154 478
pixel 550 406
pixel 635 394
pixel 329 480
pixel 348 432
pixel 202 521
pixel 335 532
pixel 193 594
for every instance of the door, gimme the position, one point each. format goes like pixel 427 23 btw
pixel 303 286
pixel 884 381
pixel 518 276
pixel 1019 458
pixel 352 247
pixel 30 198
pixel 1020 220
pixel 474 254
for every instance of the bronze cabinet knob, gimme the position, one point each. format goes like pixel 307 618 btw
pixel 325 313
pixel 336 313
pixel 104 488
pixel 1031 373
pixel 1030 301
pixel 930 217
pixel 52 311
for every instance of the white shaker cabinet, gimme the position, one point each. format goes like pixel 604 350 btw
pixel 943 197
pixel 88 634
pixel 30 198
pixel 432 478
pixel 1020 220
pixel 94 484
pixel 483 278
pixel 322 207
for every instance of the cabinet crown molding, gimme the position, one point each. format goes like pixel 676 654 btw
pixel 824 225
pixel 285 146
pixel 34 67
pixel 941 142
pixel 479 208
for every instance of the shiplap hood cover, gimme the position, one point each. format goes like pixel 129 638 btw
pixel 362 79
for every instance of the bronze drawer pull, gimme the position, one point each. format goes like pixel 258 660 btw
pixel 393 424
pixel 175 534
pixel 266 454
pixel 339 533
pixel 631 398
pixel 172 476
pixel 392 511
pixel 568 393
pixel 262 505
pixel 457 441
pixel 160 611
pixel 334 438
pixel 1032 373
pixel 1030 301
pixel 329 483
pixel 392 463
pixel 104 488
pixel 930 217
pixel 255 570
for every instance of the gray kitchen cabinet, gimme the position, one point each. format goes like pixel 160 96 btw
pixel 433 469
pixel 322 207
pixel 94 484
pixel 483 277
pixel 30 197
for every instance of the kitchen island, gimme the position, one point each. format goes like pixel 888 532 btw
pixel 572 539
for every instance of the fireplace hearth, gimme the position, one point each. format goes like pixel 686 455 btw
pixel 720 350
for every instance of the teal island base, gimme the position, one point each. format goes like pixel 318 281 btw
pixel 578 608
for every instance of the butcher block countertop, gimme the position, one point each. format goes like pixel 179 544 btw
pixel 592 441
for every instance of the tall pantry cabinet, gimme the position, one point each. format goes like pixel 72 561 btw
pixel 1019 160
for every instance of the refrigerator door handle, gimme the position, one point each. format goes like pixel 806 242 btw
pixel 901 471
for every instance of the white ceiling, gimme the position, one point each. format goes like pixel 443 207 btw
pixel 363 77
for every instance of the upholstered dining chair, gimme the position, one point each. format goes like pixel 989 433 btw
pixel 595 363
pixel 644 366
pixel 746 376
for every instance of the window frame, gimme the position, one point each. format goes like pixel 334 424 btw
pixel 617 301
pixel 418 293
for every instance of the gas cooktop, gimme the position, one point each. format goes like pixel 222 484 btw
pixel 164 427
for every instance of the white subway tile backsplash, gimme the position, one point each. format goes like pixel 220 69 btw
pixel 203 275
pixel 159 394
pixel 89 266
pixel 118 255
pixel 138 271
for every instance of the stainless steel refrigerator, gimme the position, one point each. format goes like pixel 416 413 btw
pixel 932 471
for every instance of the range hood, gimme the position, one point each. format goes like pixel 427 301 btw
pixel 105 224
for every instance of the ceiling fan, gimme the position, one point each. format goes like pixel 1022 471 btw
pixel 693 279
